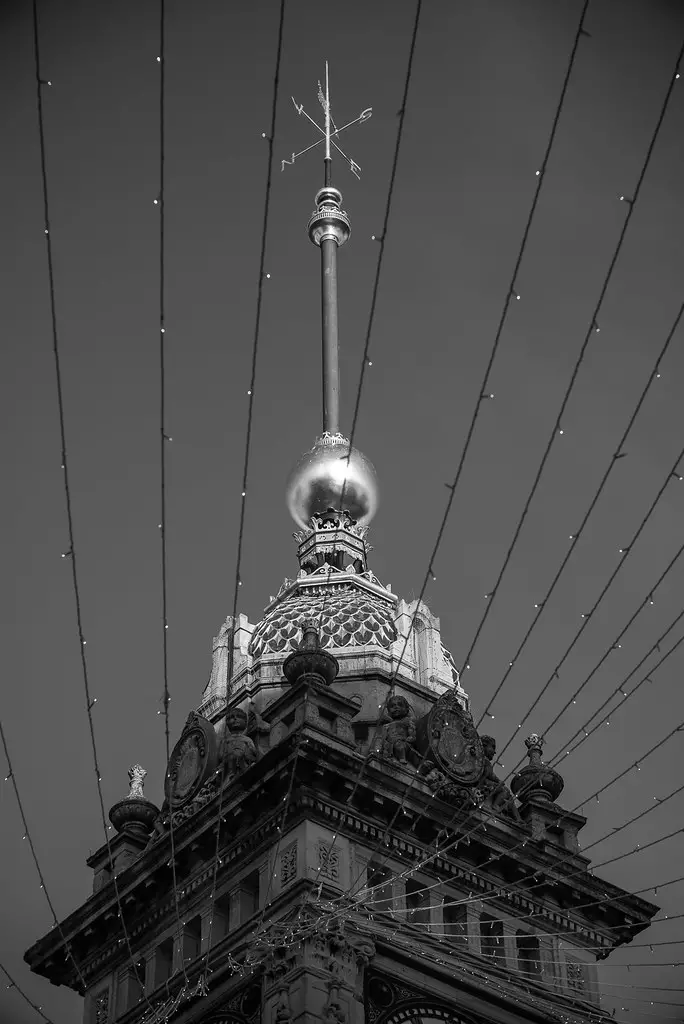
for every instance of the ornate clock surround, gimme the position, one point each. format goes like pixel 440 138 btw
pixel 389 1002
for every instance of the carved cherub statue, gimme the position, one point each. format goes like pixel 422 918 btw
pixel 136 774
pixel 238 750
pixel 495 791
pixel 399 731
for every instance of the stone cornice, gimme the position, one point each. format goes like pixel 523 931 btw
pixel 333 767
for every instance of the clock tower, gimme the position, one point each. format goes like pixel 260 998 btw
pixel 333 843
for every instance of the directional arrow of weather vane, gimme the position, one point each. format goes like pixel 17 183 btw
pixel 330 132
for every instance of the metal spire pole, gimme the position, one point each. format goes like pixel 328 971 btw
pixel 329 229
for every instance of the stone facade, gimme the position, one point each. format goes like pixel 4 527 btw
pixel 342 849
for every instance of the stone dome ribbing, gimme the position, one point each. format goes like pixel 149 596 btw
pixel 349 617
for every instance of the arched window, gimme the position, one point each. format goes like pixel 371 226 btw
pixel 492 937
pixel 529 957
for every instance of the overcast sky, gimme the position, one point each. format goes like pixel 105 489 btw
pixel 486 83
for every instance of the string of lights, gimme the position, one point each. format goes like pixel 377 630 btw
pixel 70 553
pixel 164 439
pixel 366 362
pixel 502 973
pixel 658 802
pixel 375 905
pixel 528 998
pixel 450 844
pixel 11 777
pixel 476 901
pixel 618 455
pixel 647 600
pixel 269 137
pixel 381 239
pixel 11 983
pixel 483 391
pixel 615 645
pixel 557 430
pixel 625 696
pixel 477 826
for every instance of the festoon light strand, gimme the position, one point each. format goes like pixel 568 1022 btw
pixel 71 552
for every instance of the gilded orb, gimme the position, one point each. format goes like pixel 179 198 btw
pixel 328 477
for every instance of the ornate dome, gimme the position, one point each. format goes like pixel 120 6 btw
pixel 350 617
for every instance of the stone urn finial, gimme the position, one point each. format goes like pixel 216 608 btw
pixel 134 815
pixel 310 662
pixel 536 781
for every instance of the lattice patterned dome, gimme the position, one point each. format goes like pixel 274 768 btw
pixel 351 618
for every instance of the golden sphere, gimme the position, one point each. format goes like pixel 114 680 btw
pixel 328 477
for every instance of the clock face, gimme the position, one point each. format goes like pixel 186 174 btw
pixel 388 1002
pixel 192 761
pixel 422 1015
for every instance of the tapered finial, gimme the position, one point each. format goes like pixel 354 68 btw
pixel 331 475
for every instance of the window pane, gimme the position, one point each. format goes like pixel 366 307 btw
pixel 529 958
pixel 380 881
pixel 417 902
pixel 492 937
pixel 456 921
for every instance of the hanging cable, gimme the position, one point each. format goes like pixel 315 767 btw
pixel 371 319
pixel 659 801
pixel 617 456
pixel 592 330
pixel 646 601
pixel 164 439
pixel 625 697
pixel 483 391
pixel 11 777
pixel 408 788
pixel 465 837
pixel 13 984
pixel 70 554
pixel 248 435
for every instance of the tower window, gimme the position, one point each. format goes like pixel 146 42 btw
pixel 380 881
pixel 221 923
pixel 136 988
pixel 417 902
pixel 455 916
pixel 492 937
pixel 248 890
pixel 192 939
pixel 163 961
pixel 529 957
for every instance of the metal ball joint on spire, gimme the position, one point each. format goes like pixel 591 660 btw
pixel 331 475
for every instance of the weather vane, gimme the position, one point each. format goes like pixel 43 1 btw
pixel 330 132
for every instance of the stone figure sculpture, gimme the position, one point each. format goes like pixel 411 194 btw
pixel 399 730
pixel 496 793
pixel 238 751
pixel 136 775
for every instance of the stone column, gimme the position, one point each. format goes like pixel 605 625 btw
pixel 318 981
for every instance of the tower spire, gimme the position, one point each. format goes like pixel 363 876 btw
pixel 330 475
pixel 329 229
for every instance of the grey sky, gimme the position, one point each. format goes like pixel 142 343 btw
pixel 486 83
